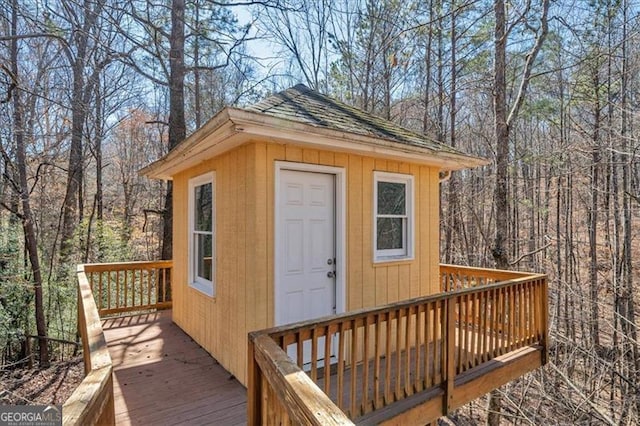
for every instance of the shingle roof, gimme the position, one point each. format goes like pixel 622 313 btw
pixel 300 115
pixel 301 104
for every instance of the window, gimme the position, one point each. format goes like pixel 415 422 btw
pixel 393 216
pixel 202 233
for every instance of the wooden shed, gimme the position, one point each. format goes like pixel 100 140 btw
pixel 295 208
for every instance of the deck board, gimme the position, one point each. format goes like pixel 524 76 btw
pixel 162 377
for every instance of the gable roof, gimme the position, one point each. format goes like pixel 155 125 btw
pixel 303 116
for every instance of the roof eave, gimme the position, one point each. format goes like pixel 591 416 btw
pixel 218 126
pixel 263 125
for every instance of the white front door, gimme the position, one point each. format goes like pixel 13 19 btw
pixel 306 248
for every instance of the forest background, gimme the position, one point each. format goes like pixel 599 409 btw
pixel 93 90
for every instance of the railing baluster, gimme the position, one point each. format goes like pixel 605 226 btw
pixel 354 368
pixel 522 326
pixel 365 367
pixel 117 282
pixel 162 285
pixel 428 364
pixel 328 342
pixel 460 327
pixel 141 284
pixel 407 353
pixel 468 331
pixel 387 359
pixel 537 313
pixel 507 319
pixel 126 288
pixel 503 320
pixel 100 303
pixel 417 379
pixel 474 330
pixel 108 289
pixel 341 354
pixel 398 357
pixel 299 350
pixel 495 325
pixel 530 301
pixel 157 277
pixel 134 287
pixel 149 285
pixel 376 362
pixel 515 318
pixel 314 354
pixel 512 317
pixel 484 329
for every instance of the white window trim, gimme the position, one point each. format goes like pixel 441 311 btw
pixel 392 255
pixel 198 283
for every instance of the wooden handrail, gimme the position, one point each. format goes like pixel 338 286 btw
pixel 304 402
pixel 127 266
pixel 454 277
pixel 433 345
pixel 92 402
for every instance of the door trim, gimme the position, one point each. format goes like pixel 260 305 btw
pixel 340 175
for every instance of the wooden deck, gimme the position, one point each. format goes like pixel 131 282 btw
pixel 162 377
pixel 405 363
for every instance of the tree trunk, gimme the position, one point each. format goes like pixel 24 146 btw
pixel 629 323
pixel 499 250
pixel 593 218
pixel 426 126
pixel 454 217
pixel 31 242
pixel 72 207
pixel 501 126
pixel 98 154
pixel 177 125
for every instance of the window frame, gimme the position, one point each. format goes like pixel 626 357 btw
pixel 407 251
pixel 208 287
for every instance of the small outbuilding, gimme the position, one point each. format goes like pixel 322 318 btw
pixel 295 208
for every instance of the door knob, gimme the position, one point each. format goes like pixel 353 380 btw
pixel 331 274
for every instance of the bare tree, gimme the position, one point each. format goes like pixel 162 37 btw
pixel 302 30
pixel 23 189
pixel 504 119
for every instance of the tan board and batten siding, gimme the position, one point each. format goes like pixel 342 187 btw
pixel 244 203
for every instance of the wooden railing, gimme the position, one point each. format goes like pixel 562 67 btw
pixel 130 286
pixel 92 402
pixel 429 352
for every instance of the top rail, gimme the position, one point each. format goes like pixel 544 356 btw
pixel 454 277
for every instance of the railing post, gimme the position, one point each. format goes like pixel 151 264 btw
pixel 449 359
pixel 544 308
pixel 254 388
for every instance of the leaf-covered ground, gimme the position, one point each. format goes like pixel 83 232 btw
pixel 36 386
